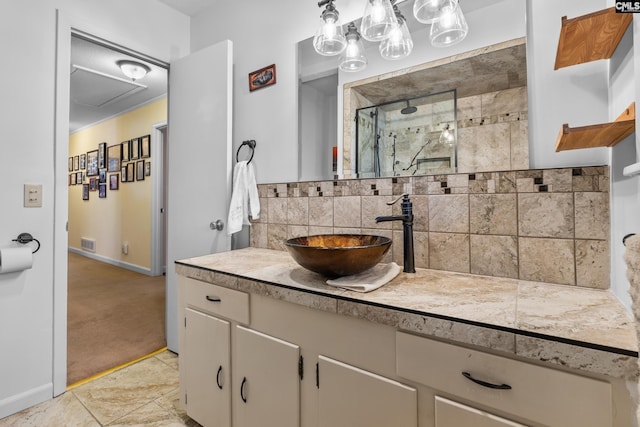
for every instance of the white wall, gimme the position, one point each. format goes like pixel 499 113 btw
pixel 625 191
pixel 318 116
pixel 28 36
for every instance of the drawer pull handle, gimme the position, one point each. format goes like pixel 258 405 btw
pixel 486 384
pixel 218 377
pixel 213 298
pixel 242 396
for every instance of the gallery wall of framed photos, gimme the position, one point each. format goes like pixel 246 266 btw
pixel 110 167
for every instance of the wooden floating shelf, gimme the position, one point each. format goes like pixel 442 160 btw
pixel 602 135
pixel 590 37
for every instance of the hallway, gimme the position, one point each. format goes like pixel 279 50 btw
pixel 114 316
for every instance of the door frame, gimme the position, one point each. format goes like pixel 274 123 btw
pixel 66 25
pixel 158 239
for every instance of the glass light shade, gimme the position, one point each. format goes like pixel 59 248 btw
pixel 429 11
pixel 132 69
pixel 399 43
pixel 378 20
pixel 447 137
pixel 353 58
pixel 329 39
pixel 450 29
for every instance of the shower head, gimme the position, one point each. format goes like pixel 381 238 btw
pixel 408 109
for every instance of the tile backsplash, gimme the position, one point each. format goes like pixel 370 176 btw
pixel 546 225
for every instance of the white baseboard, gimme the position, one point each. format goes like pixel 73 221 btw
pixel 117 263
pixel 27 399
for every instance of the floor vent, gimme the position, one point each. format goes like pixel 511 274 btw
pixel 87 244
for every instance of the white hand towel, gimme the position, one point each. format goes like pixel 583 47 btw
pixel 244 198
pixel 368 280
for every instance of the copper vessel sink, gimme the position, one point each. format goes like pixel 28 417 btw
pixel 335 255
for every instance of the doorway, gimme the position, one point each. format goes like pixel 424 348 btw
pixel 116 152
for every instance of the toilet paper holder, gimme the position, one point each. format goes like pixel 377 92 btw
pixel 25 238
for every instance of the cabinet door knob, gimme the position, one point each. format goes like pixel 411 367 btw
pixel 468 376
pixel 218 377
pixel 213 298
pixel 242 395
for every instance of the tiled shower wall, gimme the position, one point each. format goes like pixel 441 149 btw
pixel 548 225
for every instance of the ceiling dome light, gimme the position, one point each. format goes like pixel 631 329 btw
pixel 329 39
pixel 132 69
pixel 378 20
pixel 450 29
pixel 353 58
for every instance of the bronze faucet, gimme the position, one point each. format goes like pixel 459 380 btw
pixel 407 230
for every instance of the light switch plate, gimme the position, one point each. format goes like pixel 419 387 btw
pixel 33 195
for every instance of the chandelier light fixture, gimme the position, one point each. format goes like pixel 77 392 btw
pixel 450 29
pixel 398 44
pixel 133 69
pixel 384 23
pixel 378 20
pixel 353 59
pixel 329 39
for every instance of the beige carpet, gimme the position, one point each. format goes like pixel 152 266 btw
pixel 114 316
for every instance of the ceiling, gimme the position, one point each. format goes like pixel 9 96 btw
pixel 99 90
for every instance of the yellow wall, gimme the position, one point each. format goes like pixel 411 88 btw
pixel 125 214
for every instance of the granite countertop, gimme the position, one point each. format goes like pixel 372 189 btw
pixel 586 329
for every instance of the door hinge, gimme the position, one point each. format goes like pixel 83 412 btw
pixel 317 375
pixel 301 367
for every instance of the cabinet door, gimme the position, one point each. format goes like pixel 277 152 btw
pixel 352 397
pixel 454 414
pixel 206 363
pixel 267 386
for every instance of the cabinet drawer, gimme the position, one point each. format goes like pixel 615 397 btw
pixel 216 300
pixel 542 395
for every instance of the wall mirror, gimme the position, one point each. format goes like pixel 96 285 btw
pixel 476 101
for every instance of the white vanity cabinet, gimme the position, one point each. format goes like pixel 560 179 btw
pixel 267 380
pixel 547 397
pixel 350 397
pixel 205 364
pixel 292 359
pixel 450 413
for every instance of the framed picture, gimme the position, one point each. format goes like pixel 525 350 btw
pixel 131 172
pixel 102 155
pixel 113 181
pixel 134 149
pixel 140 170
pixel 145 146
pixel 102 190
pixel 76 163
pixel 79 177
pixel 85 191
pixel 103 176
pixel 262 78
pixel 147 168
pixel 123 173
pixel 70 164
pixel 92 163
pixel 83 161
pixel 93 184
pixel 126 153
pixel 114 155
pixel 73 179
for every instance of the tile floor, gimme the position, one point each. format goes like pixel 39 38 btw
pixel 142 394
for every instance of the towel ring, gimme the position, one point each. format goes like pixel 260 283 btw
pixel 249 143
